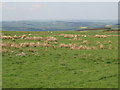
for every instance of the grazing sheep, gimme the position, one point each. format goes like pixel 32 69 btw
pixel 23 36
pixel 68 36
pixel 28 38
pixel 109 42
pixel 101 46
pixel 84 35
pixel 72 47
pixel 80 47
pixel 76 38
pixel 93 47
pixel 21 54
pixel 4 50
pixel 51 39
pixel 87 48
pixel 37 38
pixel 85 42
pixel 29 34
pixel 15 45
pixel 45 45
pixel 15 37
pixel 32 44
pixel 98 42
pixel 38 44
pixel 31 50
pixel 6 37
pixel 100 36
pixel 63 45
pixel 66 45
pixel 24 44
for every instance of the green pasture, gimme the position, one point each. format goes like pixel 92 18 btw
pixel 48 67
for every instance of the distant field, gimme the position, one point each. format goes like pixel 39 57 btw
pixel 56 25
pixel 60 59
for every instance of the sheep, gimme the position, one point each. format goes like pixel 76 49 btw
pixel 101 46
pixel 28 38
pixel 109 42
pixel 37 38
pixel 21 54
pixel 80 47
pixel 84 36
pixel 87 48
pixel 4 50
pixel 76 38
pixel 6 37
pixel 15 45
pixel 51 39
pixel 98 42
pixel 68 36
pixel 29 34
pixel 38 44
pixel 32 44
pixel 45 45
pixel 31 50
pixel 15 37
pixel 93 47
pixel 24 44
pixel 66 45
pixel 23 36
pixel 62 45
pixel 100 36
pixel 85 42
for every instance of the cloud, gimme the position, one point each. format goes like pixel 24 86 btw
pixel 36 6
pixel 10 8
pixel 2 4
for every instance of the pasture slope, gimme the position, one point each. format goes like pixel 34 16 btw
pixel 60 59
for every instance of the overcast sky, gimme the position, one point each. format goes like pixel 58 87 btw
pixel 59 11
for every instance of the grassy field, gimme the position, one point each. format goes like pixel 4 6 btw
pixel 60 59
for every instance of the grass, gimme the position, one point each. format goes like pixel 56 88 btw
pixel 48 67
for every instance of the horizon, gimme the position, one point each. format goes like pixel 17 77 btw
pixel 61 20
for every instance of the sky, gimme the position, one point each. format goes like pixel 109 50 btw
pixel 59 11
pixel 59 0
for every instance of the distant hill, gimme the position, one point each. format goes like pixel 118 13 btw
pixel 53 25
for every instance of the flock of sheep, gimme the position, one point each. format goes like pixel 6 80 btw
pixel 84 45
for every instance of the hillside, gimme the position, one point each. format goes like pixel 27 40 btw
pixel 53 25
